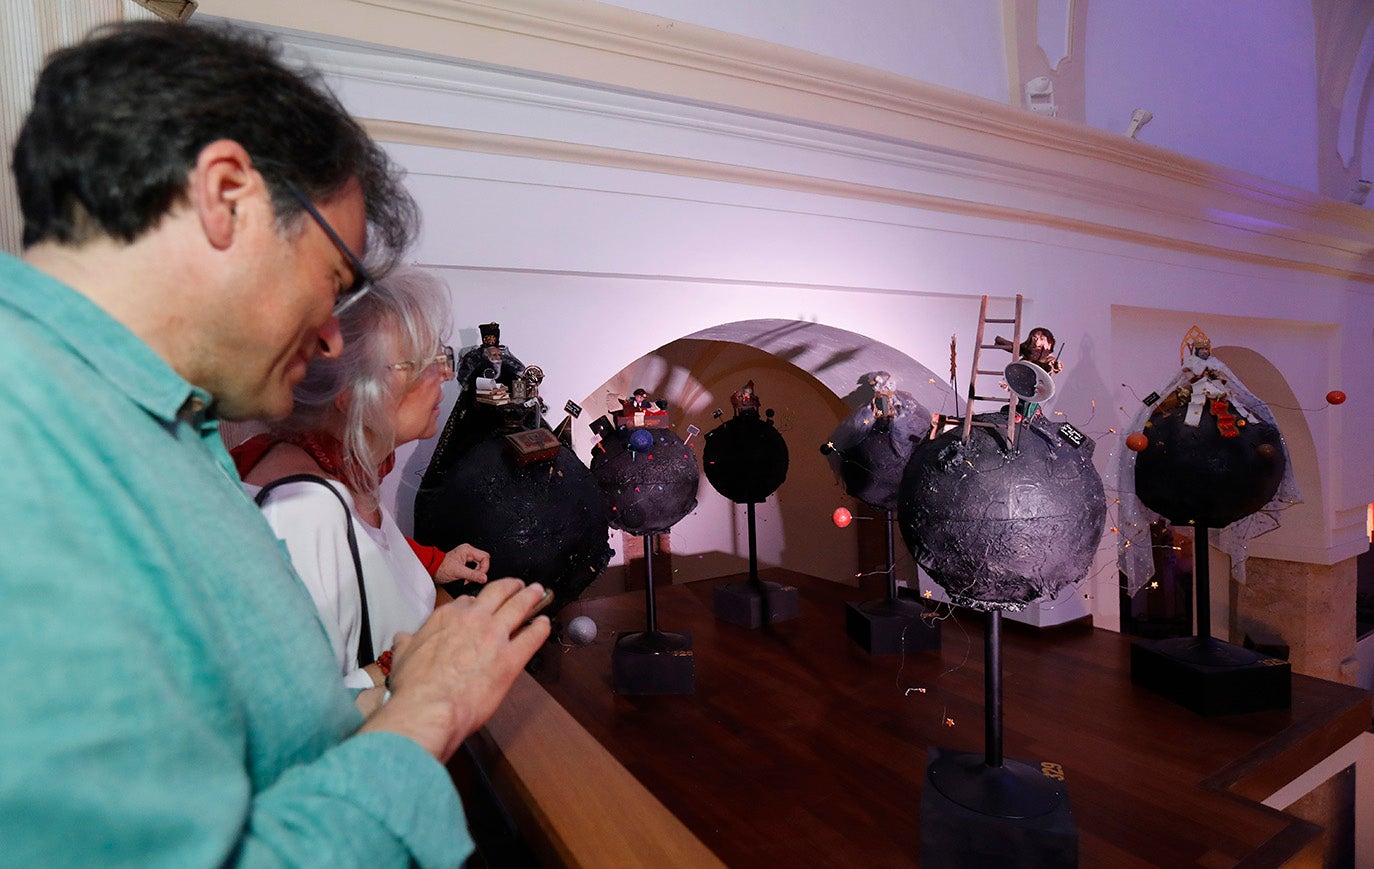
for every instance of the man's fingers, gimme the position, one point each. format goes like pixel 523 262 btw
pixel 497 591
pixel 510 601
pixel 528 638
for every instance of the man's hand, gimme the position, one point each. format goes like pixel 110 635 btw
pixel 449 677
pixel 454 567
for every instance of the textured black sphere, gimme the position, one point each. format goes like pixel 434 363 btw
pixel 998 529
pixel 745 459
pixel 647 491
pixel 1197 474
pixel 543 523
pixel 870 453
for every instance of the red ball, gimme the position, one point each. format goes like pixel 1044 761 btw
pixel 842 517
pixel 1137 442
pixel 1335 396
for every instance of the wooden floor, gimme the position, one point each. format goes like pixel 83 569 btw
pixel 798 748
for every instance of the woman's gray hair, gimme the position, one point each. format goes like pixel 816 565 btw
pixel 404 317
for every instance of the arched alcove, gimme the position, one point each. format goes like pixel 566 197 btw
pixel 1300 522
pixel 811 376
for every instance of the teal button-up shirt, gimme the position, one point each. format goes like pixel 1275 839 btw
pixel 170 697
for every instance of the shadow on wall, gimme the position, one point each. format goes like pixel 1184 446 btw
pixel 794 526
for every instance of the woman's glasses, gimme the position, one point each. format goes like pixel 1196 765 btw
pixel 445 362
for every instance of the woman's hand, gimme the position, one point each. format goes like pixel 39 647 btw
pixel 465 563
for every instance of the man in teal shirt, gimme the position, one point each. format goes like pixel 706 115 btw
pixel 191 211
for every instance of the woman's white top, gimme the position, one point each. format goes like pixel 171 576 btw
pixel 400 592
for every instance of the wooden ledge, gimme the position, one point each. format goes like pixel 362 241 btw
pixel 572 801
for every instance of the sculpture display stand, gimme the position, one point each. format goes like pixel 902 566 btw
pixel 990 811
pixel 1207 675
pixel 754 602
pixel 652 661
pixel 892 625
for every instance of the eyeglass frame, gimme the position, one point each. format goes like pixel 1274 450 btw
pixel 362 278
pixel 445 355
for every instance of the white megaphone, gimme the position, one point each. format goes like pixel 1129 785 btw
pixel 1029 382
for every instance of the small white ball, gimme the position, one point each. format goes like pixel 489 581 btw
pixel 582 630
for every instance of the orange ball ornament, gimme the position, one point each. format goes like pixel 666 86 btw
pixel 1335 396
pixel 842 517
pixel 1136 442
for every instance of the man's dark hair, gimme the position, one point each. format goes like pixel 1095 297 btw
pixel 118 122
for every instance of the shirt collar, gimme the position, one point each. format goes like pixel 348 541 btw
pixel 113 352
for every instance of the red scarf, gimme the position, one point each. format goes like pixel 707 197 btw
pixel 323 447
pixel 327 452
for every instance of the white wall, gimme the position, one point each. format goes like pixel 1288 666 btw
pixel 599 221
pixel 1233 82
pixel 957 45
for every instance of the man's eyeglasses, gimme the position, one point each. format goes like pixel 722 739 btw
pixel 445 361
pixel 362 280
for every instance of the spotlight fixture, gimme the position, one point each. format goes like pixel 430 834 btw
pixel 1359 192
pixel 1139 118
pixel 171 10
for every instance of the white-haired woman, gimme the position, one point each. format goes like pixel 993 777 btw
pixel 317 473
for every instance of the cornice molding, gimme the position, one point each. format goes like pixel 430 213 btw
pixel 545 149
pixel 1018 167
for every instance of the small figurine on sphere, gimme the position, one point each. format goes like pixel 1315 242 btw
pixel 746 400
pixel 1038 348
pixel 885 402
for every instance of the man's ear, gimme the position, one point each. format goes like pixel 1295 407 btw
pixel 220 183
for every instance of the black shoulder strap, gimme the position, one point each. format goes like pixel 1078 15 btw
pixel 365 655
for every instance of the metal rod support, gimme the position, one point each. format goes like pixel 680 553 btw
pixel 891 556
pixel 1202 582
pixel 753 548
pixel 649 611
pixel 992 687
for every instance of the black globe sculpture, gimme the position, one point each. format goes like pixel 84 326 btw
pixel 999 525
pixel 1199 475
pixel 745 458
pixel 1208 463
pixel 545 522
pixel 869 451
pixel 999 528
pixel 649 478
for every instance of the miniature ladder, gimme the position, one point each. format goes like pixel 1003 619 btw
pixel 978 348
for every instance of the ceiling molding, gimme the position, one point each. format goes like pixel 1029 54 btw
pixel 1180 241
pixel 1026 168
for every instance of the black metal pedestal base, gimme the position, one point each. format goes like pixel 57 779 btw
pixel 891 626
pixel 1016 814
pixel 1212 677
pixel 653 662
pixel 751 604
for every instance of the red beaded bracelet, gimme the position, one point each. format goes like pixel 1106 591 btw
pixel 384 662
